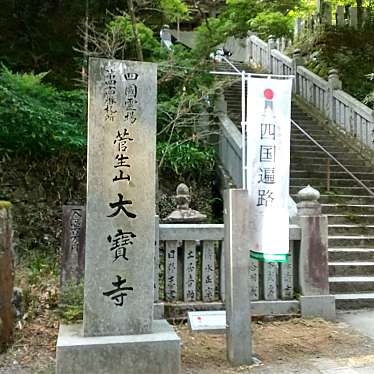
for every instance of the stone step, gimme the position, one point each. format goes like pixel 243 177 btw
pixel 317 158
pixel 351 219
pixel 340 155
pixel 354 300
pixel 315 133
pixel 348 209
pixel 346 199
pixel 336 182
pixel 351 254
pixel 355 169
pixel 352 268
pixel 297 147
pixel 333 174
pixel 339 285
pixel 295 188
pixel 320 138
pixel 351 240
pixel 308 143
pixel 350 229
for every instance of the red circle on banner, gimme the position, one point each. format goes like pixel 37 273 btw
pixel 269 94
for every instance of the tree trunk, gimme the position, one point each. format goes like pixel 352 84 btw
pixel 138 46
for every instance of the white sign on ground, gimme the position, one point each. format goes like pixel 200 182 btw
pixel 214 321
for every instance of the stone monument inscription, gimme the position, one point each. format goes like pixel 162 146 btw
pixel 73 245
pixel 120 198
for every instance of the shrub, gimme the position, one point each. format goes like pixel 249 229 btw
pixel 36 118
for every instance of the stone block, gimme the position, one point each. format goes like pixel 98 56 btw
pixel 322 306
pixel 120 212
pixel 157 352
pixel 73 244
pixel 6 276
pixel 238 228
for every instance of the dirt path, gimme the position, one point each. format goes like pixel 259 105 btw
pixel 282 346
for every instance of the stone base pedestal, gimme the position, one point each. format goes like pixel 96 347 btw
pixel 155 353
pixel 322 306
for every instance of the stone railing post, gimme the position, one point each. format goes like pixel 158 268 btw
pixel 297 60
pixel 313 262
pixel 220 105
pixel 353 17
pixel 237 234
pixel 298 27
pixel 326 15
pixel 271 45
pixel 334 84
pixel 340 11
pixel 249 48
pixel 6 276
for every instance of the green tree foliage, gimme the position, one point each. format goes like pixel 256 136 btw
pixel 36 118
pixel 240 16
pixel 272 23
pixel 121 26
pixel 349 51
pixel 174 10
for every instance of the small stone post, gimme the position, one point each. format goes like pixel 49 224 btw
pixel 319 4
pixel 165 35
pixel 73 244
pixel 249 52
pixel 6 276
pixel 237 233
pixel 313 262
pixel 297 60
pixel 340 11
pixel 334 84
pixel 353 17
pixel 271 45
pixel 220 104
pixel 326 15
pixel 298 27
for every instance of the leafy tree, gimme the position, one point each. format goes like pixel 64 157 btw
pixel 272 23
pixel 37 119
pixel 240 16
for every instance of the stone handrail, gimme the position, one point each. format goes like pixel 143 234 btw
pixel 230 148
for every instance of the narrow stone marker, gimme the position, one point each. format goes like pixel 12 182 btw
pixel 6 276
pixel 237 233
pixel 73 244
pixel 119 332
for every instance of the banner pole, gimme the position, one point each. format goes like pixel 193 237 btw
pixel 244 135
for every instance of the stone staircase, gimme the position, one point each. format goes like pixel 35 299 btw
pixel 349 207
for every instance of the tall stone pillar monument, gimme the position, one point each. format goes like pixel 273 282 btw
pixel 118 332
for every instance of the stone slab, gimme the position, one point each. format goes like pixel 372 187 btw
pixel 73 244
pixel 322 306
pixel 157 352
pixel 238 230
pixel 119 259
pixel 6 278
pixel 361 320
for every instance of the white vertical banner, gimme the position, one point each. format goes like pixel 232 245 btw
pixel 268 128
